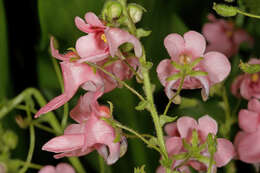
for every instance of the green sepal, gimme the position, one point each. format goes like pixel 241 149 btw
pixel 173 77
pixel 197 73
pixel 225 10
pixel 249 68
pixel 166 119
pixel 196 61
pixel 139 169
pixel 153 141
pixel 111 107
pixel 118 135
pixel 176 65
pixel 181 156
pixel 142 105
pixel 195 139
pixel 140 32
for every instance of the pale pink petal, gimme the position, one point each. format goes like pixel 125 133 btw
pixel 64 143
pixel 239 137
pixel 168 89
pixel 207 125
pixel 93 20
pixel 94 58
pixel 173 145
pixel 216 65
pixel 160 169
pixel 225 152
pixel 74 75
pixel 185 126
pixel 91 48
pixel 254 61
pixel 102 150
pixel 241 36
pixel 47 169
pixel 254 105
pixel 171 129
pixel 195 43
pixel 81 25
pixel 74 153
pixel 213 32
pixel 174 43
pixel 74 129
pixel 165 70
pixel 55 53
pixel 224 46
pixel 116 37
pixel 248 148
pixel 64 168
pixel 205 86
pixel 245 89
pixel 248 120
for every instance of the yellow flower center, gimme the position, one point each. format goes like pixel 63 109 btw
pixel 229 33
pixel 254 77
pixel 103 37
pixel 184 59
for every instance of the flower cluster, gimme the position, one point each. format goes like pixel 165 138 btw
pixel 60 168
pixel 182 130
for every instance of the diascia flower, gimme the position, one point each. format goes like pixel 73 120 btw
pixel 224 37
pixel 247 85
pixel 60 168
pixel 102 41
pixel 89 134
pixel 75 75
pixel 247 141
pixel 184 50
pixel 182 129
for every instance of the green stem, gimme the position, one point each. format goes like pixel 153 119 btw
pixel 76 164
pixel 248 14
pixel 66 106
pixel 31 165
pixel 31 149
pixel 42 127
pixel 133 70
pixel 149 95
pixel 176 94
pixel 117 79
pixel 101 164
pixel 138 135
pixel 228 120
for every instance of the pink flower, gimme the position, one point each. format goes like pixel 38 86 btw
pixel 91 133
pixel 247 85
pixel 184 50
pixel 247 141
pixel 183 128
pixel 224 37
pixel 101 41
pixel 75 75
pixel 60 168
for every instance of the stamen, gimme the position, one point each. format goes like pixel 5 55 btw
pixel 254 77
pixel 184 59
pixel 103 37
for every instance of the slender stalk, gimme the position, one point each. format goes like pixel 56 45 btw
pixel 228 120
pixel 134 136
pixel 42 127
pixel 101 164
pixel 117 79
pixel 138 135
pixel 31 165
pixel 76 164
pixel 248 14
pixel 133 70
pixel 66 106
pixel 175 95
pixel 22 107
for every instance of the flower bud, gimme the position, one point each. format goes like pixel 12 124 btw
pixel 225 10
pixel 10 139
pixel 135 11
pixel 113 10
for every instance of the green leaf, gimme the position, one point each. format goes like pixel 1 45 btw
pixel 225 10
pixel 166 119
pixel 140 32
pixel 249 68
pixel 141 105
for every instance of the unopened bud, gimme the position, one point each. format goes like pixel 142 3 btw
pixel 135 11
pixel 113 10
pixel 10 139
pixel 21 122
pixel 225 10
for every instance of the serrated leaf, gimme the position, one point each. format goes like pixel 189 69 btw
pixel 249 68
pixel 166 119
pixel 140 32
pixel 141 105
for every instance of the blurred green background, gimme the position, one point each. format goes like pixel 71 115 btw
pixel 25 28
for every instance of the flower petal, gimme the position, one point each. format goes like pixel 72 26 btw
pixel 74 129
pixel 207 125
pixel 171 129
pixel 64 168
pixel 93 20
pixel 81 25
pixel 48 169
pixel 91 48
pixel 164 70
pixel 254 105
pixel 116 37
pixel 241 36
pixel 225 152
pixel 74 75
pixel 55 53
pixel 185 126
pixel 248 120
pixel 205 86
pixel 216 65
pixel 248 148
pixel 236 85
pixel 174 43
pixel 173 145
pixel 195 43
pixel 64 143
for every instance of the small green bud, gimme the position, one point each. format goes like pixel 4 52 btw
pixel 249 68
pixel 166 119
pixel 135 11
pixel 10 139
pixel 225 10
pixel 114 10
